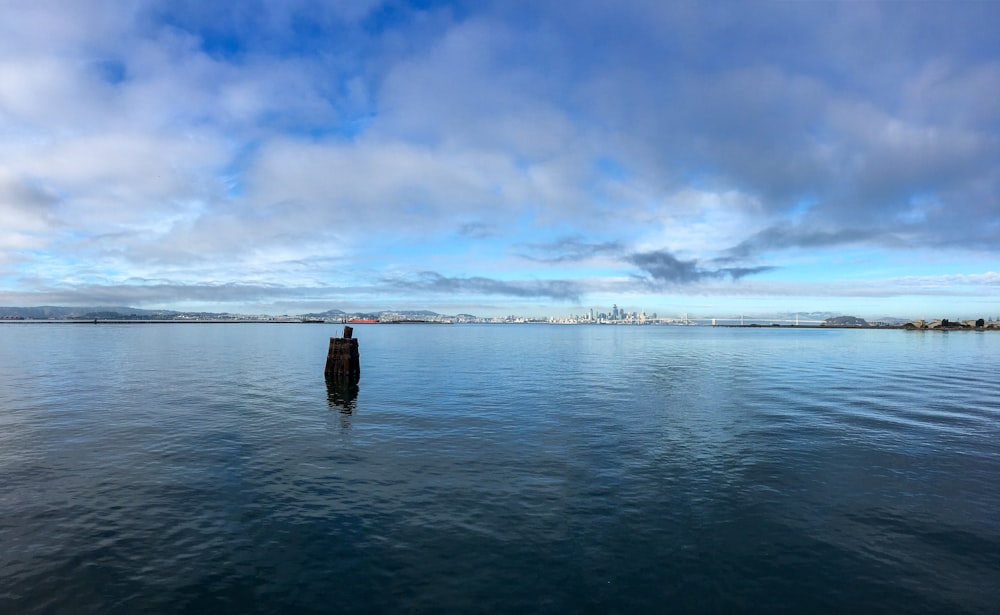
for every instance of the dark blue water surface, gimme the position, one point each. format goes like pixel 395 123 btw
pixel 208 468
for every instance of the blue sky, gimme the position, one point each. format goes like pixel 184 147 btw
pixel 710 158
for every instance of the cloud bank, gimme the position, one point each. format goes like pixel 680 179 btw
pixel 178 152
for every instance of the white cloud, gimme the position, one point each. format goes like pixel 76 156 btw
pixel 197 143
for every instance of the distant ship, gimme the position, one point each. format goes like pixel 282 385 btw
pixel 313 320
pixel 362 321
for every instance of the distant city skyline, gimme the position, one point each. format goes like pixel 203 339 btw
pixel 502 158
pixel 615 315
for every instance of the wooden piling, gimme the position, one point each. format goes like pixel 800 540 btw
pixel 343 361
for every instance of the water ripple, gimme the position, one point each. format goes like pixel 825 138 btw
pixel 211 469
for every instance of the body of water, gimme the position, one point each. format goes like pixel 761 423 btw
pixel 209 468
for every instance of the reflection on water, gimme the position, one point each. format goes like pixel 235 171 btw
pixel 342 395
pixel 199 469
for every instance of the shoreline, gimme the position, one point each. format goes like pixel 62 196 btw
pixel 405 322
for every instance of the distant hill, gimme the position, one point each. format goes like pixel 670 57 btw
pixel 326 314
pixel 374 314
pixel 846 321
pixel 50 312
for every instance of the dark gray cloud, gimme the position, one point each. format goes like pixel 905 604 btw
pixel 158 293
pixel 785 237
pixel 738 273
pixel 142 293
pixel 20 191
pixel 476 230
pixel 869 110
pixel 664 267
pixel 431 282
pixel 567 250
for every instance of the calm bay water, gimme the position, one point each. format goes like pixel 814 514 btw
pixel 210 469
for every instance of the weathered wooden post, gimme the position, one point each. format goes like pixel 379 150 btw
pixel 343 362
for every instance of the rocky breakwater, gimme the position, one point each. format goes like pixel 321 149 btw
pixel 948 325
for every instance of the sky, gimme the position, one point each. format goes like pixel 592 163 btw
pixel 534 158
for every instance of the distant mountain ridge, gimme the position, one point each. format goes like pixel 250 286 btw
pixel 326 314
pixel 52 312
pixel 846 321
pixel 378 313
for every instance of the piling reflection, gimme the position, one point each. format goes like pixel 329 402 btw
pixel 342 394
